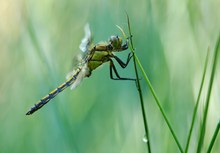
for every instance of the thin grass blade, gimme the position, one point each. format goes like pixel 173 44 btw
pixel 213 138
pixel 197 102
pixel 146 137
pixel 202 133
pixel 136 60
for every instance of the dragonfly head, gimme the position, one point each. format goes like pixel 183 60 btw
pixel 115 41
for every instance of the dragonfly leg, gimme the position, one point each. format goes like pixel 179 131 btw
pixel 125 46
pixel 112 67
pixel 120 62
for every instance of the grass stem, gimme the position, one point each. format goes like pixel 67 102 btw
pixel 147 137
pixel 203 128
pixel 139 89
pixel 159 105
pixel 197 103
pixel 213 138
pixel 136 61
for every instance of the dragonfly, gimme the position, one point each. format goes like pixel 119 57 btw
pixel 93 57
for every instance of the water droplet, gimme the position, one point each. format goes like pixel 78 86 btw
pixel 145 140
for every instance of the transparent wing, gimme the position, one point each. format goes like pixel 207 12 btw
pixel 87 40
pixel 85 45
pixel 82 74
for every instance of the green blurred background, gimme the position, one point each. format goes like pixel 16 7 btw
pixel 38 40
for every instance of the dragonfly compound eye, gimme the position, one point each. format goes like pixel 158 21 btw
pixel 115 41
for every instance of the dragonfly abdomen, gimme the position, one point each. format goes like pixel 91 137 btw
pixel 53 93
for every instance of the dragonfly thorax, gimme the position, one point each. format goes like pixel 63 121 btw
pixel 116 42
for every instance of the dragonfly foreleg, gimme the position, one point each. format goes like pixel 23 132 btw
pixel 125 46
pixel 112 67
pixel 120 62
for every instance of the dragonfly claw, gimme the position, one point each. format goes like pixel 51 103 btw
pixel 129 37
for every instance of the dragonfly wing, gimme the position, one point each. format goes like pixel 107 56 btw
pixel 82 74
pixel 86 41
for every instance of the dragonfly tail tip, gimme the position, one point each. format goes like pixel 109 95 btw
pixel 28 113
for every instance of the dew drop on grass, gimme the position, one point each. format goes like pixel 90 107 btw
pixel 145 140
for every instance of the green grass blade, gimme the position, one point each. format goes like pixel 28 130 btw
pixel 158 103
pixel 139 89
pixel 197 102
pixel 136 60
pixel 213 138
pixel 147 137
pixel 202 133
